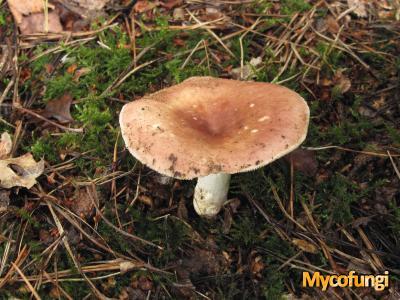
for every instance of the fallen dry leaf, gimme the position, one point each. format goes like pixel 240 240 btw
pixel 342 82
pixel 30 18
pixel 5 145
pixel 248 70
pixel 170 4
pixel 20 171
pixel 305 246
pixel 178 14
pixel 303 161
pixel 59 109
pixel 91 4
pixel 23 7
pixel 332 25
pixel 358 7
pixel 72 68
pixel 257 266
pixel 82 204
pixel 35 23
pixel 145 5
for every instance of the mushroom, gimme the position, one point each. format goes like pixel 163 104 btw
pixel 210 128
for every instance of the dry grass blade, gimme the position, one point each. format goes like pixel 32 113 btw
pixel 280 204
pixel 394 165
pixel 28 284
pixel 60 228
pixel 120 265
pixel 23 254
pixel 351 150
pixel 219 40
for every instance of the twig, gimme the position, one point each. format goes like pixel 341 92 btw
pixel 62 127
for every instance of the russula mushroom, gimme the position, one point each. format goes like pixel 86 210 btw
pixel 210 128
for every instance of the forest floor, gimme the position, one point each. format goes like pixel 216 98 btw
pixel 98 224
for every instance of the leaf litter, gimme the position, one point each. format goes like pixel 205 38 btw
pixel 20 171
pixel 59 109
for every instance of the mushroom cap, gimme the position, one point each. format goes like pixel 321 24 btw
pixel 207 125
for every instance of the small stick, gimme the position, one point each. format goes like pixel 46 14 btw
pixel 62 127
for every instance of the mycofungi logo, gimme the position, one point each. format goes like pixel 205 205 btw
pixel 378 282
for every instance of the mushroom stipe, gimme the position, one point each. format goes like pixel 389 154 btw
pixel 209 128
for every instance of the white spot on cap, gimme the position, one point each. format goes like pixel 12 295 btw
pixel 245 127
pixel 251 105
pixel 254 131
pixel 156 125
pixel 262 119
pixel 195 118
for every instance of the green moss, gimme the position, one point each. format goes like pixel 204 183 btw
pixel 394 134
pixel 261 6
pixel 290 7
pixel 340 193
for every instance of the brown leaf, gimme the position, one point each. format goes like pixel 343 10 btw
pixel 342 82
pixel 82 204
pixel 178 14
pixel 71 69
pixel 145 5
pixel 20 171
pixel 303 161
pixel 91 4
pixel 35 23
pixel 305 246
pixel 179 42
pixel 332 25
pixel 24 7
pixel 170 4
pixel 30 18
pixel 5 145
pixel 145 283
pixel 257 265
pixel 46 237
pixel 49 68
pixel 59 109
pixel 379 103
pixel 146 200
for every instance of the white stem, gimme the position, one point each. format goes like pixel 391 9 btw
pixel 210 194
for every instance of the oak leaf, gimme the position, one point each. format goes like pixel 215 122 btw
pixel 20 171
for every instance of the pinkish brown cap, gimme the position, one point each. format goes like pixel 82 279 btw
pixel 207 125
